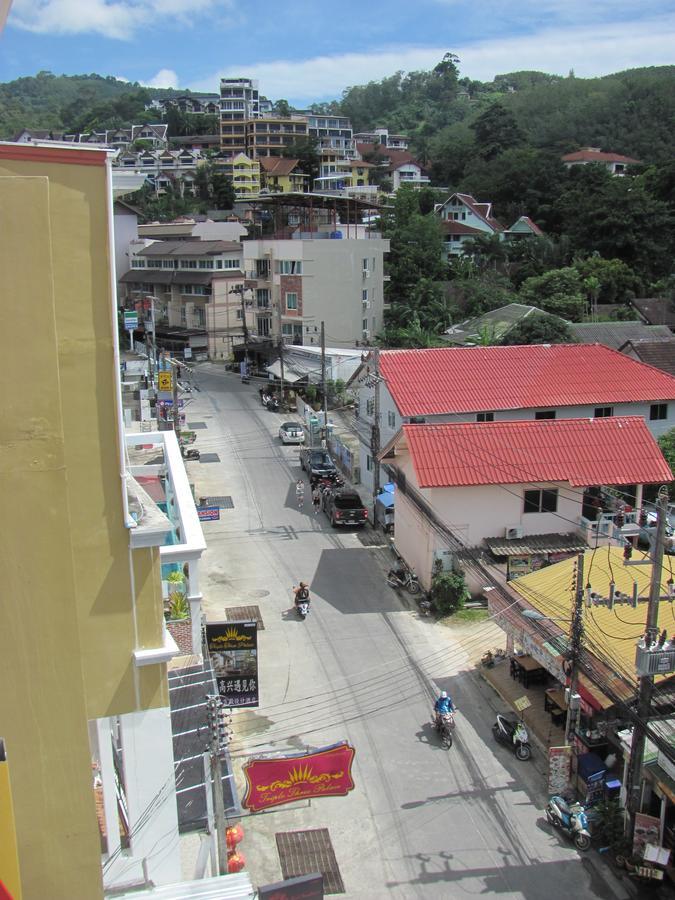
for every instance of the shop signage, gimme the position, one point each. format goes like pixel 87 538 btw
pixel 233 649
pixel 518 565
pixel 273 782
pixel 559 761
pixel 548 661
pixel 208 513
pixel 131 321
pixel 164 381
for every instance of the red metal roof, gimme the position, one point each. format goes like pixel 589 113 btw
pixel 582 452
pixel 475 379
pixel 589 155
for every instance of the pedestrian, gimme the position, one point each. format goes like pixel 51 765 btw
pixel 300 493
pixel 316 499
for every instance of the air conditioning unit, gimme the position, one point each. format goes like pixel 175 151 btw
pixel 443 560
pixel 366 304
pixel 365 273
pixel 512 532
pixel 366 335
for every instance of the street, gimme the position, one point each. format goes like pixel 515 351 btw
pixel 365 667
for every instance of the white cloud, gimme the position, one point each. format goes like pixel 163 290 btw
pixel 117 19
pixel 590 50
pixel 165 78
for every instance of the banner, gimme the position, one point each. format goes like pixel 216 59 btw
pixel 559 762
pixel 233 649
pixel 647 831
pixel 273 782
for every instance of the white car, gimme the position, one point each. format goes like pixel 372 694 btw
pixel 292 433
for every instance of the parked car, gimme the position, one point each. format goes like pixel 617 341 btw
pixel 291 433
pixel 344 507
pixel 317 462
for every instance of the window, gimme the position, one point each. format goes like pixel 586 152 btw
pixel 289 266
pixel 262 298
pixel 540 501
pixel 545 414
pixel 188 263
pixel 485 417
pixel 238 315
pixel 604 412
pixel 364 324
pixel 291 301
pixel 183 316
pixel 365 265
pixel 658 412
pixel 205 263
pixel 263 326
pixel 391 419
pixel 364 295
pixel 370 406
pixel 154 263
pixel 200 316
pixel 369 463
pixel 417 420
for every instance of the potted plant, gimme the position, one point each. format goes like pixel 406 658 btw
pixel 178 608
pixel 175 581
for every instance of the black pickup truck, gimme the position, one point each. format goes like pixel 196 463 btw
pixel 344 507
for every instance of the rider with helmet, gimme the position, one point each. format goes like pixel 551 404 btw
pixel 443 705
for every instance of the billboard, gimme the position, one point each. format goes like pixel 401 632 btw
pixel 233 649
pixel 324 773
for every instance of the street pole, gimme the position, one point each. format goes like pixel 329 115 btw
pixel 637 746
pixel 281 353
pixel 174 388
pixel 576 641
pixel 219 739
pixel 323 383
pixel 375 434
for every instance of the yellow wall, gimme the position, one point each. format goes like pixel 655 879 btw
pixel 9 858
pixel 69 623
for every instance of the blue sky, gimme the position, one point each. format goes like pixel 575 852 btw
pixel 308 50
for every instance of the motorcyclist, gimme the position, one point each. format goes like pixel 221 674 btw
pixel 443 706
pixel 301 593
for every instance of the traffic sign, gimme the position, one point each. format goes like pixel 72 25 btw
pixel 164 381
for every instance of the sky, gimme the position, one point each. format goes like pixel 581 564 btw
pixel 307 51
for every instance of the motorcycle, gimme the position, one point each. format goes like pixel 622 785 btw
pixel 489 658
pixel 569 817
pixel 273 404
pixel 245 379
pixel 404 578
pixel 512 734
pixel 302 603
pixel 191 454
pixel 444 723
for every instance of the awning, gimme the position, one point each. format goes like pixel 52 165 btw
pixel 537 544
pixel 385 499
pixel 289 375
pixel 591 694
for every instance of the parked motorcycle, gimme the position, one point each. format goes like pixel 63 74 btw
pixel 273 404
pixel 191 454
pixel 513 734
pixel 444 723
pixel 403 577
pixel 571 818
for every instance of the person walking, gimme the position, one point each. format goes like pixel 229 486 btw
pixel 316 499
pixel 300 493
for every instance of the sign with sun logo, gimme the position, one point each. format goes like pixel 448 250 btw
pixel 324 773
pixel 233 650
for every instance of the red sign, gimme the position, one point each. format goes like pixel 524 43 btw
pixel 273 782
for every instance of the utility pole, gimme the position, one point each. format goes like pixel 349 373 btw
pixel 281 353
pixel 323 383
pixel 218 721
pixel 576 642
pixel 174 389
pixel 637 746
pixel 375 433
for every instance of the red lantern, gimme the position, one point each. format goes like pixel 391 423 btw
pixel 233 835
pixel 235 862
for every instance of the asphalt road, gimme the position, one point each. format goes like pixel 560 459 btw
pixel 364 667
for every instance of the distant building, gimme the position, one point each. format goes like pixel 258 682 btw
pixel 463 218
pixel 382 137
pixel 614 162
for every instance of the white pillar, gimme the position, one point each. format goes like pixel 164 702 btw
pixel 194 598
pixel 150 788
pixel 103 743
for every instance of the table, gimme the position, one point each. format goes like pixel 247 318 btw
pixel 529 669
pixel 554 698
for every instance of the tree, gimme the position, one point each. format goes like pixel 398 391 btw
pixel 487 251
pixel 559 292
pixel 496 130
pixel 448 592
pixel 539 328
pixel 282 108
pixel 480 292
pixel 214 189
pixel 616 282
pixel 306 151
pixel 667 446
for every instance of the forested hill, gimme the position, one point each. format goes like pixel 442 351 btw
pixel 72 103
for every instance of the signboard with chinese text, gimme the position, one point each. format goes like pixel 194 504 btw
pixel 164 381
pixel 273 782
pixel 559 761
pixel 233 648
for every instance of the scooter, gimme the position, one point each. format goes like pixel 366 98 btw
pixel 513 734
pixel 191 454
pixel 571 818
pixel 273 404
pixel 444 723
pixel 302 603
pixel 403 578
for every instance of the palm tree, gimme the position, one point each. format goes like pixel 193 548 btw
pixel 488 251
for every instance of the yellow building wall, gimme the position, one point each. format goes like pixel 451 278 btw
pixel 70 622
pixel 43 712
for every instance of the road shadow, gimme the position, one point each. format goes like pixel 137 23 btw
pixel 350 580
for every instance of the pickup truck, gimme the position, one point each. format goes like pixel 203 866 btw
pixel 344 507
pixel 317 462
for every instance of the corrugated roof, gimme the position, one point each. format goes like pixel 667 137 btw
pixel 537 543
pixel 618 450
pixel 587 154
pixel 189 248
pixel 609 634
pixel 473 379
pixel 660 354
pixel 615 334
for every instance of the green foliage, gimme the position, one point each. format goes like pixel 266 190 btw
pixel 614 281
pixel 306 152
pixel 175 577
pixel 480 292
pixel 540 328
pixel 609 823
pixel 311 393
pixel 667 446
pixel 179 608
pixel 559 292
pixel 154 207
pixel 448 592
pixel 181 124
pixel 496 130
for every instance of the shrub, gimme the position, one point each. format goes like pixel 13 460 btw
pixel 448 592
pixel 179 608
